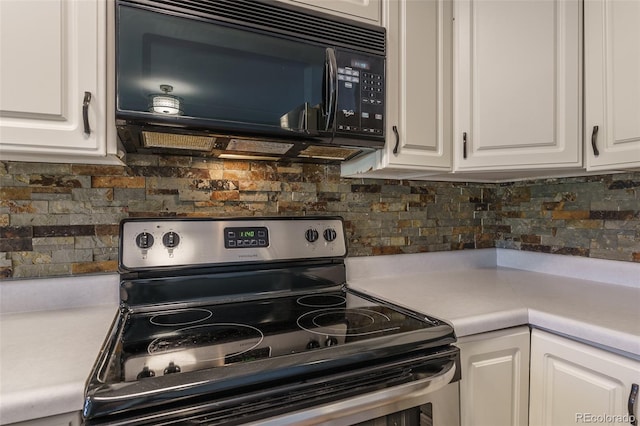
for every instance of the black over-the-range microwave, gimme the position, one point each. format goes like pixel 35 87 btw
pixel 247 79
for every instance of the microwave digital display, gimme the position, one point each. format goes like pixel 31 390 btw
pixel 357 63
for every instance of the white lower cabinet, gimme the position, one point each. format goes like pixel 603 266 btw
pixel 575 383
pixel 66 419
pixel 494 390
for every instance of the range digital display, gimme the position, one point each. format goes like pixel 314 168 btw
pixel 246 237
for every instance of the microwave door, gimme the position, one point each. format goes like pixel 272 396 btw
pixel 217 76
pixel 330 83
pixel 317 120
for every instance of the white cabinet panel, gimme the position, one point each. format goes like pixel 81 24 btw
pixel 612 83
pixel 572 382
pixel 495 373
pixel 35 61
pixel 518 85
pixel 514 75
pixel 363 10
pixel 53 52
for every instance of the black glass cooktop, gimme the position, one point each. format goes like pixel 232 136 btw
pixel 313 326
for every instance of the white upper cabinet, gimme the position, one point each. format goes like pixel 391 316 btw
pixel 361 10
pixel 418 92
pixel 612 83
pixel 53 80
pixel 517 84
pixel 419 85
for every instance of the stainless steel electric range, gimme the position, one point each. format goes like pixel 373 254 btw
pixel 250 321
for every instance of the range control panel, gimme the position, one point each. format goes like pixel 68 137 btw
pixel 160 243
pixel 242 237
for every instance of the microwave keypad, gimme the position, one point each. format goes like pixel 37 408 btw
pixel 348 74
pixel 372 103
pixel 361 94
pixel 372 88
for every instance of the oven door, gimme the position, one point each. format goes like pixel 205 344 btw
pixel 432 401
pixel 442 409
pixel 372 390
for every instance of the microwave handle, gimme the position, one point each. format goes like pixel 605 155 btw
pixel 331 87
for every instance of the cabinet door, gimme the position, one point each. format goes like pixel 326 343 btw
pixel 68 419
pixel 418 92
pixel 518 84
pixel 419 84
pixel 52 53
pixel 612 83
pixel 495 378
pixel 573 383
pixel 363 10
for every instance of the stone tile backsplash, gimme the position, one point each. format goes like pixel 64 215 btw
pixel 62 219
pixel 596 216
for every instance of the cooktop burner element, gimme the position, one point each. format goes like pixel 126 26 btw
pixel 205 320
pixel 361 322
pixel 181 317
pixel 207 335
pixel 322 300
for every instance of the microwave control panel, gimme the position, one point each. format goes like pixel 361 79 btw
pixel 361 94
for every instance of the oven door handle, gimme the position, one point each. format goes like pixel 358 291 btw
pixel 370 405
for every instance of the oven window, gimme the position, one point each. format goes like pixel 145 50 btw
pixel 418 416
pixel 215 71
pixel 426 415
pixel 410 417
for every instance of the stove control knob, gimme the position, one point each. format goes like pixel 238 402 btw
pixel 145 373
pixel 144 240
pixel 329 234
pixel 331 341
pixel 313 344
pixel 170 239
pixel 172 368
pixel 311 235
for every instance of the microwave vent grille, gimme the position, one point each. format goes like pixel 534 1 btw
pixel 295 23
pixel 167 140
pixel 329 153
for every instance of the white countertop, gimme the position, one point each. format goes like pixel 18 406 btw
pixel 46 358
pixel 476 295
pixel 52 329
